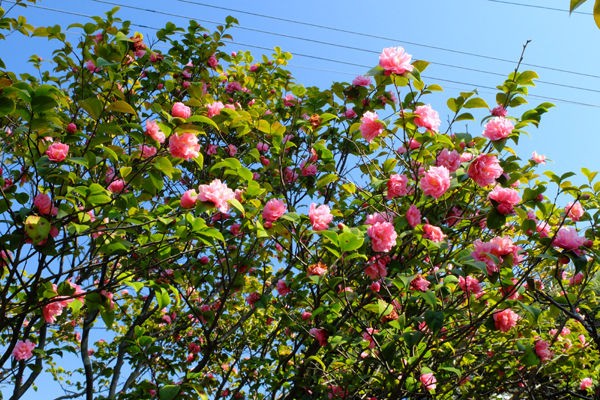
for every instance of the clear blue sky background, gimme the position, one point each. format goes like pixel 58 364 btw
pixel 563 48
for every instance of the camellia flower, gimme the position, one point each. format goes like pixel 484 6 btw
pixel 23 350
pixel 52 310
pixel 428 381
pixel 485 169
pixel 506 319
pixel 542 349
pixel 318 269
pixel 180 110
pixel 538 158
pixel 214 109
pixel 184 146
pixel 189 198
pixel 217 193
pixel 586 383
pixel 44 205
pixel 319 334
pixel 396 186
pixel 147 151
pixel 413 216
pixel 505 198
pixel 370 126
pixel 567 238
pixel 574 211
pixel 154 131
pixel 499 247
pixel 273 209
pixel 435 182
pixel 282 288
pixel 57 152
pixel 320 216
pixel 426 117
pixel 362 81
pixel 116 186
pixel 377 267
pixel 395 60
pixel 469 285
pixel 449 159
pixel 433 233
pixel 419 283
pixel 383 236
pixel 498 128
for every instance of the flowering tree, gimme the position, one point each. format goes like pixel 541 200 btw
pixel 194 224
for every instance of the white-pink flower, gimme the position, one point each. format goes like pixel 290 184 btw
pixel 320 216
pixel 217 193
pixel 395 60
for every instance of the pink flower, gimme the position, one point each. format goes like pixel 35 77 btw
pixel 469 285
pixel 368 336
pixel 23 350
pixel 91 66
pixel 387 216
pixel 308 169
pixel 252 298
pixel 318 269
pixel 449 159
pixel 180 110
pixel 586 383
pixel 116 186
pixel 485 169
pixel 499 111
pixel 498 128
pixel 147 151
pixel 428 381
pixel 44 205
pixel 233 87
pixel 350 113
pixel 505 199
pixel 576 279
pixel 262 147
pixel 214 109
pixel 188 199
pixel 217 193
pixel 184 146
pixel 283 288
pixel 57 152
pixel 567 238
pixel 383 236
pixel 377 267
pixel 419 283
pixel 320 216
pixel 506 319
pixel 542 349
pixel 319 334
pixel 426 117
pixel 52 310
pixel 362 81
pixel 370 126
pixel 273 209
pixel 499 247
pixel 574 211
pixel 289 100
pixel 435 182
pixel 71 128
pixel 433 233
pixel 212 61
pixel 154 131
pixel 396 186
pixel 395 60
pixel 413 216
pixel 538 158
pixel 289 175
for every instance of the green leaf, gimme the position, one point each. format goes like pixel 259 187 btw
pixel 434 320
pixel 168 392
pixel 108 316
pixel 495 220
pixel 476 102
pixel 6 106
pixel 576 3
pixel 597 13
pixel 350 241
pixel 92 106
pixel 204 119
pixel 122 107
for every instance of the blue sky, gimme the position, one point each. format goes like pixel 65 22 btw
pixel 479 41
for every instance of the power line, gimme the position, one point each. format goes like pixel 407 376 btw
pixel 540 7
pixel 333 60
pixel 336 45
pixel 386 38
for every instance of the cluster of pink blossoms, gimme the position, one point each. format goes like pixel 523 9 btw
pixel 469 285
pixel 500 248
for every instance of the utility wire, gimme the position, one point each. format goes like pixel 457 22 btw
pixel 330 59
pixel 385 38
pixel 540 7
pixel 336 45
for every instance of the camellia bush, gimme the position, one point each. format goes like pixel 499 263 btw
pixel 178 222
